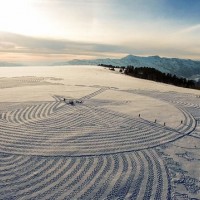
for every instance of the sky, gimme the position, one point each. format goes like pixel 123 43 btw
pixel 48 31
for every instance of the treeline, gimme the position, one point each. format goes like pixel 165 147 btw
pixel 111 67
pixel 155 75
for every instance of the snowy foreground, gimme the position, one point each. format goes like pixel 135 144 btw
pixel 114 136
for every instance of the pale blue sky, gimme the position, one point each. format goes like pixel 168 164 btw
pixel 57 30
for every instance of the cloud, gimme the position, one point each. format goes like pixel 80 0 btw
pixel 45 50
pixel 191 29
pixel 10 42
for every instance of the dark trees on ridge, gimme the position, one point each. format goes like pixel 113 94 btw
pixel 155 75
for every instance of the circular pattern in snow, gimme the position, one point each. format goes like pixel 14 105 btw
pixel 57 128
pixel 121 176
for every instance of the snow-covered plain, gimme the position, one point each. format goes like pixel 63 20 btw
pixel 123 138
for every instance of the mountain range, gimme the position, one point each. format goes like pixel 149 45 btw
pixel 181 67
pixel 8 64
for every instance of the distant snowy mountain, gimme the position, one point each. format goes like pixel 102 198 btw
pixel 179 67
pixel 7 64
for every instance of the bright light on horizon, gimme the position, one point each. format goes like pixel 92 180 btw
pixel 24 17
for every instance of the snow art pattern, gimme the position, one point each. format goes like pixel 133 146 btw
pixel 77 150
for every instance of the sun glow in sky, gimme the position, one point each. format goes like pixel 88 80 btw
pixel 42 31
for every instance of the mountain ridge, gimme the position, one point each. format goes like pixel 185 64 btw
pixel 9 64
pixel 180 67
